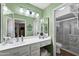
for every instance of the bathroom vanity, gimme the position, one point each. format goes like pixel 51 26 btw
pixel 29 47
pixel 26 28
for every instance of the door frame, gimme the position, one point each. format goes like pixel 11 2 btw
pixel 24 21
pixel 54 39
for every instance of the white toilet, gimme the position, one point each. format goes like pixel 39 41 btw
pixel 58 46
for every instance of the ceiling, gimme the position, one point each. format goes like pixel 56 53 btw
pixel 41 5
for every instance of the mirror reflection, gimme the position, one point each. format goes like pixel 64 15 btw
pixel 24 22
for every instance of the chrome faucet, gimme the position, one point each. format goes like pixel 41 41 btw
pixel 22 38
pixel 6 40
pixel 17 39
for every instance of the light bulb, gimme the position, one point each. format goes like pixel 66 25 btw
pixel 37 15
pixel 27 12
pixel 21 10
pixel 5 8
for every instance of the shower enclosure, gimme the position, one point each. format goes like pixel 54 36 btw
pixel 67 27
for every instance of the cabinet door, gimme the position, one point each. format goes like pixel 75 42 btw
pixel 35 49
pixel 18 51
pixel 35 46
pixel 35 52
pixel 24 50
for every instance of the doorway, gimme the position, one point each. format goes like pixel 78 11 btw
pixel 19 28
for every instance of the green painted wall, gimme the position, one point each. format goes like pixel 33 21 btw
pixel 49 13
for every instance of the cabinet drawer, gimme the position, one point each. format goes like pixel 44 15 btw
pixel 44 43
pixel 16 51
pixel 35 52
pixel 35 46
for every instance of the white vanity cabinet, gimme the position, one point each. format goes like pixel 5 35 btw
pixel 24 50
pixel 18 51
pixel 27 48
pixel 35 49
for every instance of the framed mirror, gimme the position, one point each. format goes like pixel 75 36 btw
pixel 45 25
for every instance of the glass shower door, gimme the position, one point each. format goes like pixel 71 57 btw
pixel 63 31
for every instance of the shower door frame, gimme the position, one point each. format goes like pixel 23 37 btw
pixel 54 40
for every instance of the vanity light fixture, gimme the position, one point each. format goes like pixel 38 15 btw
pixel 27 12
pixel 5 8
pixel 37 15
pixel 30 12
pixel 33 14
pixel 21 10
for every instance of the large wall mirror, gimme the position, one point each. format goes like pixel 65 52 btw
pixel 15 24
pixel 45 25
